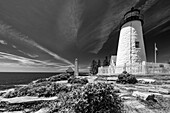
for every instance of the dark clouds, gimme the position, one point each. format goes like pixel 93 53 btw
pixel 156 29
pixel 57 31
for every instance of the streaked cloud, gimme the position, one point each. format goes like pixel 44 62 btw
pixel 28 62
pixel 50 34
pixel 148 4
pixel 158 19
pixel 3 42
pixel 14 46
pixel 158 25
pixel 30 55
pixel 9 32
pixel 104 22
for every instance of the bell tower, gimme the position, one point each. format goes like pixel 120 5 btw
pixel 131 49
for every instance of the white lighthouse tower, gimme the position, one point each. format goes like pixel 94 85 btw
pixel 131 49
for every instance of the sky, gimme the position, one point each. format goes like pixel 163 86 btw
pixel 47 35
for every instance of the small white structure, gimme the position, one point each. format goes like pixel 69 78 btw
pixel 76 68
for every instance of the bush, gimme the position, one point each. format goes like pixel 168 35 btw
pixel 99 98
pixel 84 74
pixel 59 77
pixel 125 78
pixel 74 80
pixel 40 80
pixel 44 89
pixel 91 98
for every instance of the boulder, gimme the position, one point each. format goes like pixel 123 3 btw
pixel 144 95
pixel 151 98
pixel 146 81
pixel 164 91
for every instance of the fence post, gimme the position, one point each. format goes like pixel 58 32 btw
pixel 144 67
pixel 124 68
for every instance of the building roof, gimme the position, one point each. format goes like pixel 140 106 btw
pixel 70 70
pixel 132 10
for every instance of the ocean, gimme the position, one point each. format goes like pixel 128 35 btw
pixel 9 79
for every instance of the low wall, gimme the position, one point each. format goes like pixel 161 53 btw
pixel 138 68
pixel 145 68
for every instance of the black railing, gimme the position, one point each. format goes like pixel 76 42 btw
pixel 130 18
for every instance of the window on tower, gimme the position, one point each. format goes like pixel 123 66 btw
pixel 137 44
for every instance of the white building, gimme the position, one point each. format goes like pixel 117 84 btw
pixel 131 56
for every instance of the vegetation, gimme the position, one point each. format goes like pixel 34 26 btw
pixel 84 74
pixel 74 80
pixel 98 63
pixel 98 98
pixel 94 67
pixel 106 62
pixel 44 89
pixel 90 98
pixel 59 77
pixel 125 78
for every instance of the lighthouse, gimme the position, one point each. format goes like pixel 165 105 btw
pixel 131 49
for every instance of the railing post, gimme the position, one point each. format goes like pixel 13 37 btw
pixel 124 68
pixel 144 68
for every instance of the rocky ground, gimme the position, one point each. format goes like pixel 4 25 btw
pixel 133 95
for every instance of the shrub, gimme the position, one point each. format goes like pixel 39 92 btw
pixel 59 77
pixel 63 76
pixel 44 89
pixel 161 65
pixel 91 98
pixel 74 80
pixel 99 98
pixel 125 78
pixel 40 80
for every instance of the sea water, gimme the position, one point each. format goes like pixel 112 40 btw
pixel 9 79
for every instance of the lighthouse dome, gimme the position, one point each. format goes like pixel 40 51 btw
pixel 133 14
